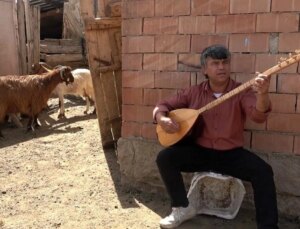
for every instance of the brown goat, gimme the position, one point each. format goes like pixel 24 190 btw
pixel 82 86
pixel 29 94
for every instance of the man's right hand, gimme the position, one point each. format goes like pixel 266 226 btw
pixel 167 124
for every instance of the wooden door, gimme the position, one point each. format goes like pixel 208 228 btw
pixel 103 40
pixel 9 61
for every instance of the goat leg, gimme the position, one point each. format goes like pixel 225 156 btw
pixel 60 116
pixel 61 106
pixel 30 124
pixel 36 122
pixel 87 100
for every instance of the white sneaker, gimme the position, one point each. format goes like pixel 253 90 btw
pixel 177 216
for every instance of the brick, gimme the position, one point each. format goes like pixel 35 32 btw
pixel 137 44
pixel 286 5
pixel 284 122
pixel 138 79
pixel 172 43
pixel 265 61
pixel 249 6
pixel 167 25
pixel 172 7
pixel 244 63
pixel 288 83
pixel 243 78
pixel 161 62
pixel 189 62
pixel 172 79
pixel 283 103
pixel 297 145
pixel 200 42
pixel 196 24
pixel 149 131
pixel 298 104
pixel 138 9
pixel 152 96
pixel 129 113
pixel 132 27
pixel 234 75
pixel 250 125
pixel 210 7
pixel 274 39
pixel 132 61
pixel 272 142
pixel 132 96
pixel 240 23
pixel 277 22
pixel 289 42
pixel 258 42
pixel 273 84
pixel 137 113
pixel 197 78
pixel 145 114
pixel 131 129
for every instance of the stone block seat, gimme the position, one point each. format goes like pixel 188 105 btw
pixel 216 194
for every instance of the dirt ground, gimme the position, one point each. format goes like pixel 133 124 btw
pixel 60 177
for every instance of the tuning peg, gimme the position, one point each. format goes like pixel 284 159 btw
pixel 281 59
pixel 290 55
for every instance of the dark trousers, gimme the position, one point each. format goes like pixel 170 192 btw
pixel 238 163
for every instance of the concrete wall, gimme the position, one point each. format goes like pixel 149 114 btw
pixel 161 46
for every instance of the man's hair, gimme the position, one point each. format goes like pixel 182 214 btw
pixel 215 52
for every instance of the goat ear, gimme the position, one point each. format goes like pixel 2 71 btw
pixel 45 68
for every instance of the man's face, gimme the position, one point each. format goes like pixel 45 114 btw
pixel 217 70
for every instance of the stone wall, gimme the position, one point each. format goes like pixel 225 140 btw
pixel 161 46
pixel 138 168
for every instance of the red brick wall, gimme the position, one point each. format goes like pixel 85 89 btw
pixel 161 45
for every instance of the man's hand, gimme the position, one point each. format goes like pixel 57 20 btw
pixel 261 84
pixel 167 124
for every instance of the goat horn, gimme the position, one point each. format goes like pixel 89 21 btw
pixel 62 71
pixel 47 69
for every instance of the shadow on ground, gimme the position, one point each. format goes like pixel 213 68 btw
pixel 50 124
pixel 159 204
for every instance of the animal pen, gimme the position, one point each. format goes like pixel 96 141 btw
pixel 30 37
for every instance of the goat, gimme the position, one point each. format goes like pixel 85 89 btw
pixel 82 86
pixel 28 94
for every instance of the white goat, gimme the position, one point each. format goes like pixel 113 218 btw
pixel 82 86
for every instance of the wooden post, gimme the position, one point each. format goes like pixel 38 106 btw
pixel 35 17
pixel 22 37
pixel 28 35
pixel 32 18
